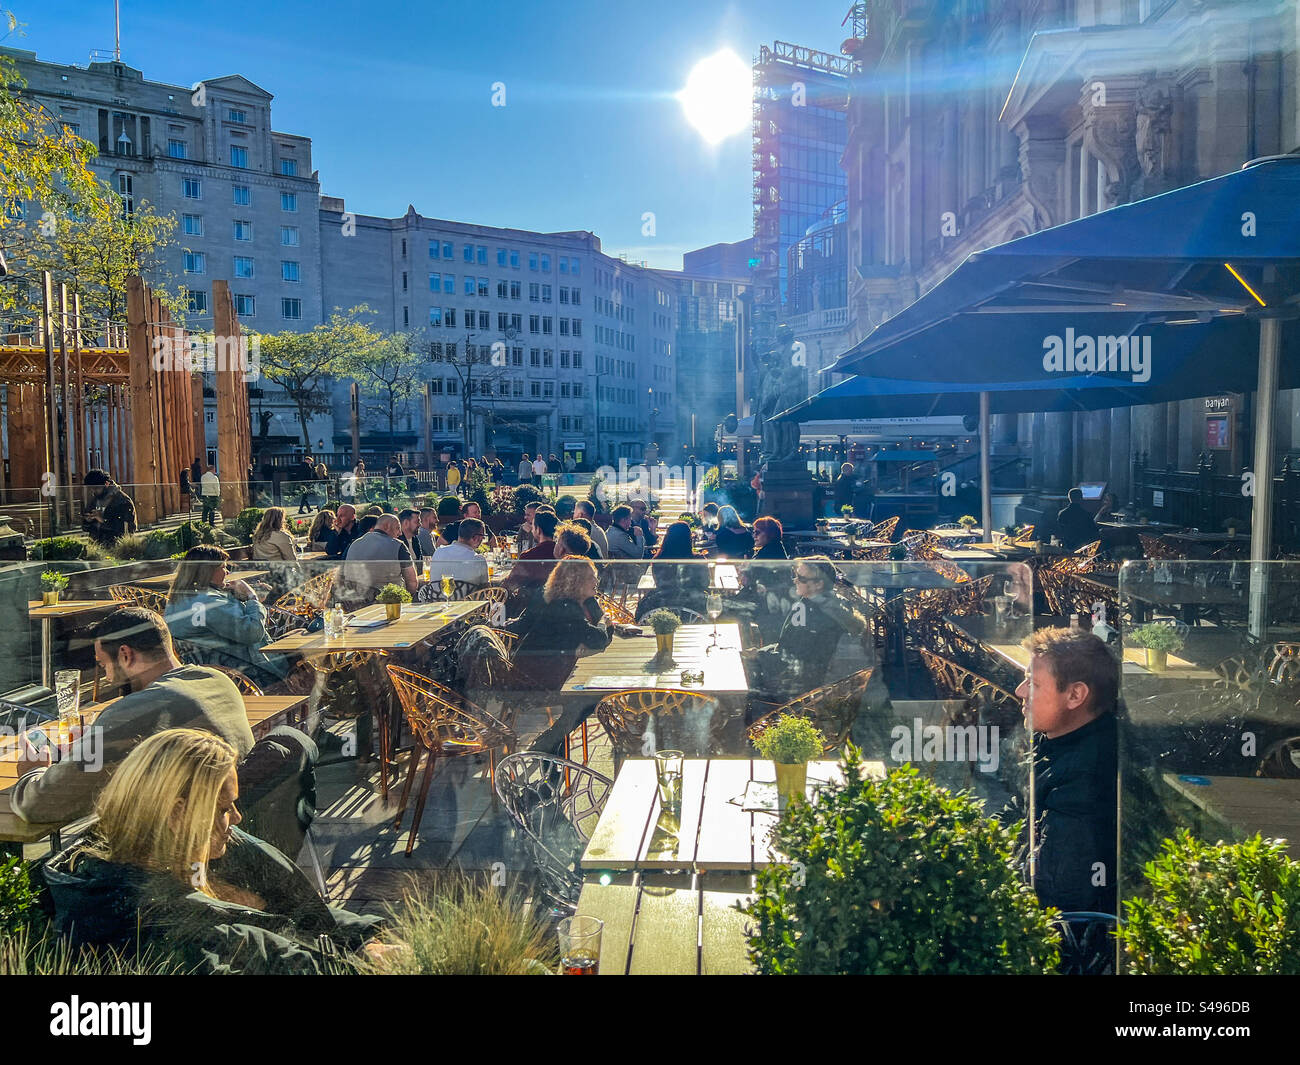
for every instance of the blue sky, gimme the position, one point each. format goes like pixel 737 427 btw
pixel 397 99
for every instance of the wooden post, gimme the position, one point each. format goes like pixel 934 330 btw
pixel 233 427
pixel 144 461
pixel 51 400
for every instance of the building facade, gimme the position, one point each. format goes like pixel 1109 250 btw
pixel 974 123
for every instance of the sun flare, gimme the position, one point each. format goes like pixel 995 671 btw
pixel 718 95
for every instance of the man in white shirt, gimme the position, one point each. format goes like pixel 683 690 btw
pixel 539 467
pixel 461 560
pixel 210 490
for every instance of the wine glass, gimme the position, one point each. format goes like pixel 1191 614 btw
pixel 713 607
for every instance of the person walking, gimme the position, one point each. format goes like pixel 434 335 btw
pixel 525 470
pixel 453 478
pixel 211 494
pixel 306 474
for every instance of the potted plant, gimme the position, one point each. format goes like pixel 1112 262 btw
pixel 967 521
pixel 393 596
pixel 897 556
pixel 1158 640
pixel 1215 909
pixel 1231 525
pixel 896 876
pixel 790 744
pixel 664 623
pixel 52 583
pixel 846 511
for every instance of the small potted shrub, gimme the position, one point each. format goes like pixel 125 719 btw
pixel 846 511
pixel 52 583
pixel 1215 909
pixel 664 623
pixel 393 596
pixel 897 556
pixel 791 743
pixel 967 521
pixel 896 876
pixel 1158 640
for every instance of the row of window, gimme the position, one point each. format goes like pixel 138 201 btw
pixel 615 367
pixel 290 236
pixel 540 358
pixel 615 338
pixel 245 305
pixel 196 262
pixel 541 325
pixel 240 195
pixel 439 423
pixel 617 425
pixel 480 286
pixel 505 387
pixel 478 253
pixel 615 308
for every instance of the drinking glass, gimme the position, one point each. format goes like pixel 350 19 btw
pixel 67 697
pixel 580 945
pixel 1001 609
pixel 668 767
pixel 713 607
pixel 447 587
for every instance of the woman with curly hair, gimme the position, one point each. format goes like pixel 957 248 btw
pixel 558 625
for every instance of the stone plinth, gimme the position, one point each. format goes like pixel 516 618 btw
pixel 788 494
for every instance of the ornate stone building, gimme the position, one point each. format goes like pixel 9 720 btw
pixel 974 122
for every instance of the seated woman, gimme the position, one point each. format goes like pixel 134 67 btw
pixel 682 583
pixel 223 619
pixel 322 532
pixel 767 539
pixel 164 869
pixel 271 541
pixel 556 626
pixel 733 540
pixel 799 659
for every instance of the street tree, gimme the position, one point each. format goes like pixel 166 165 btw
pixel 389 372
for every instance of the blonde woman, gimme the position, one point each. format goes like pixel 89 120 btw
pixel 166 868
pixel 221 617
pixel 556 627
pixel 322 531
pixel 271 539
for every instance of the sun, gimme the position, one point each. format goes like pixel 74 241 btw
pixel 717 99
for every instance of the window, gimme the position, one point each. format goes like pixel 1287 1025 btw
pixel 564 327
pixel 577 296
pixel 482 255
pixel 535 357
pixel 176 149
pixel 241 195
pixel 195 262
pixel 534 323
pixel 435 282
pixel 469 253
pixel 564 360
pixel 515 288
pixel 288 201
pixel 548 389
pixel 535 389
pixel 243 229
pixel 192 188
pixel 577 389
pixel 532 260
pixel 289 167
pixel 406 316
pixel 289 270
pixel 503 389
pixel 470 286
pixel 564 393
pixel 245 306
pixel 447 250
pixel 501 256
pixel 484 318
pixel 503 290
pixel 503 322
pixel 235 115
pixel 516 357
pixel 516 388
pixel 546 264
pixel 435 316
pixel 434 248
pixel 239 157
pixel 514 259
pixel 546 293
pixel 547 325
pixel 564 293
pixel 289 236
pixel 453 386
pixel 534 292
pixel 564 265
pixel 483 283
pixel 290 309
pixel 243 266
pixel 192 225
pixel 449 320
pixel 449 284
pixel 197 302
pixel 435 386
pixel 573 267
pixel 577 327
pixel 435 355
pixel 403 280
pixel 548 358
pixel 517 322
pixel 577 360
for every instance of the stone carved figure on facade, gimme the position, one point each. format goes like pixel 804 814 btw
pixel 1154 121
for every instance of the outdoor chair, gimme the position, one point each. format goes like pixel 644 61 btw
pixel 350 685
pixel 671 719
pixel 242 680
pixel 1153 547
pixel 614 613
pixel 510 640
pixel 149 598
pixel 556 803
pixel 832 708
pixel 445 725
pixel 431 591
pixel 993 703
pixel 1026 535
pixel 299 604
pixel 884 530
pixel 318 589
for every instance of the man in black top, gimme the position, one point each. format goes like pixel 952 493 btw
pixel 345 531
pixel 1074 524
pixel 842 489
pixel 1069 694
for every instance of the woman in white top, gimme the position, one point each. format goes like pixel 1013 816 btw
pixel 271 540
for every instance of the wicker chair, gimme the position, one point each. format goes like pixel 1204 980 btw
pixel 833 708
pixel 242 681
pixel 981 696
pixel 319 588
pixel 1155 548
pixel 361 693
pixel 445 725
pixel 556 803
pixel 614 613
pixel 149 598
pixel 884 530
pixel 674 715
pixel 1026 535
pixel 509 639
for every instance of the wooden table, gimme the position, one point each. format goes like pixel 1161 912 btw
pixel 1246 805
pixel 722 578
pixel 633 659
pixel 313 556
pixel 65 608
pixel 264 713
pixel 966 554
pixel 957 536
pixel 164 580
pixel 419 622
pixel 1185 595
pixel 909 575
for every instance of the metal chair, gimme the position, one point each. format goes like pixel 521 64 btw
pixel 1154 547
pixel 363 695
pixel 445 725
pixel 510 639
pixel 556 803
pixel 318 589
pixel 884 530
pixel 242 681
pixel 833 708
pixel 682 720
pixel 980 694
pixel 148 598
pixel 614 613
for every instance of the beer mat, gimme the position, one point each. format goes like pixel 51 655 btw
pixel 761 797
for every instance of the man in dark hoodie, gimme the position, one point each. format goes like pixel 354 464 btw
pixel 1069 694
